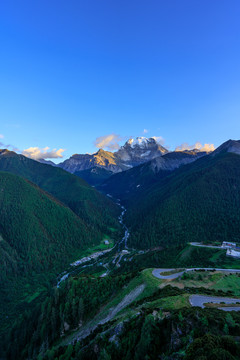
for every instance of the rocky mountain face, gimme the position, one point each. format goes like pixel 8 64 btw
pixel 134 152
pixel 230 146
pixel 102 158
pixel 175 159
pixel 140 150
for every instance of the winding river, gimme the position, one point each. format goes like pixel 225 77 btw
pixel 120 245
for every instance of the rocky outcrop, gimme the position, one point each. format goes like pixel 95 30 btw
pixel 102 158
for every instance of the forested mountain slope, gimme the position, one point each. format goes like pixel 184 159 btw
pixel 197 202
pixel 86 202
pixel 39 237
pixel 133 182
pixel 94 176
pixel 37 232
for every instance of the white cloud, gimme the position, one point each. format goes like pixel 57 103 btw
pixel 197 145
pixel 1 136
pixel 208 147
pixel 159 139
pixel 37 153
pixel 145 131
pixel 110 142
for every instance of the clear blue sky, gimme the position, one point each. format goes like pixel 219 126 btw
pixel 71 71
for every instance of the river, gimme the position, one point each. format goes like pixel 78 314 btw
pixel 121 245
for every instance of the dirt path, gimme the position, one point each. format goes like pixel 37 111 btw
pixel 128 299
pixel 125 302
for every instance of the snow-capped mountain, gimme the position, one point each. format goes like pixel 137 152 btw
pixel 134 152
pixel 140 150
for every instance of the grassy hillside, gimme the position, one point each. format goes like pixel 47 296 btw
pixel 91 206
pixel 198 202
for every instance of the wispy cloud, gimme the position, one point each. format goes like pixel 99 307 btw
pixel 197 145
pixel 159 139
pixel 37 153
pixel 109 142
pixel 9 146
pixel 1 136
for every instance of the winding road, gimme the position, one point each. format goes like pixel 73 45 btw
pixel 157 272
pixel 200 300
pixel 207 246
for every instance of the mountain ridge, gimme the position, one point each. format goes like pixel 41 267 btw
pixel 231 146
pixel 132 153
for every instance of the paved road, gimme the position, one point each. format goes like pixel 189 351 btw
pixel 229 308
pixel 199 300
pixel 208 246
pixel 216 269
pixel 157 272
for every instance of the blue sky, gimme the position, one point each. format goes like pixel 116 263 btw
pixel 73 71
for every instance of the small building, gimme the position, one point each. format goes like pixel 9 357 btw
pixel 106 242
pixel 228 245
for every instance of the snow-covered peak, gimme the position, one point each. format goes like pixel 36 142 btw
pixel 142 141
pixel 139 141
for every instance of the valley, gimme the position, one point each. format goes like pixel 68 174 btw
pixel 111 270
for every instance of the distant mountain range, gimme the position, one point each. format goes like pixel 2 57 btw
pixel 98 167
pixel 134 152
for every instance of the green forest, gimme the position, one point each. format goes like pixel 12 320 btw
pixel 199 202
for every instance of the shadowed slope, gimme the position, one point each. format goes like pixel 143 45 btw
pixel 91 206
pixel 198 202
